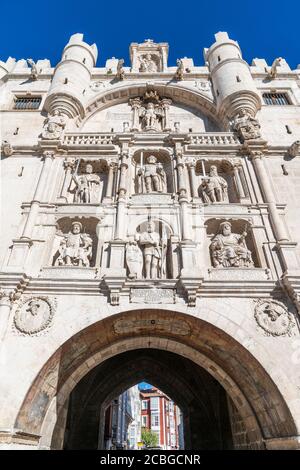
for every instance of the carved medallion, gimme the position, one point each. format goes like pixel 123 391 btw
pixel 34 314
pixel 274 318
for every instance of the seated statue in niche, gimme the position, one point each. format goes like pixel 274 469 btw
pixel 134 260
pixel 246 126
pixel 152 177
pixel 54 126
pixel 147 64
pixel 214 187
pixel 75 248
pixel 86 185
pixel 229 250
pixel 154 252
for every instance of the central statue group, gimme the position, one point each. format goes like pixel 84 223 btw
pixel 146 255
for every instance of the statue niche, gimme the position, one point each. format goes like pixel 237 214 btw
pixel 75 248
pixel 87 181
pixel 146 252
pixel 151 173
pixel 229 249
pixel 217 183
pixel 150 113
pixel 75 242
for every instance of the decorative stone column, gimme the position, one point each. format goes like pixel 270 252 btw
pixel 192 166
pixel 69 165
pixel 120 232
pixel 135 104
pixel 37 199
pixel 112 166
pixel 183 200
pixel 166 107
pixel 5 306
pixel 264 180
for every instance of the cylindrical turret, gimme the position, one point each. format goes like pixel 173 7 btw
pixel 232 81
pixel 71 77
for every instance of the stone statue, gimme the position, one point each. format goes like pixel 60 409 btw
pixel 86 185
pixel 134 260
pixel 7 148
pixel 154 250
pixel 147 64
pixel 273 71
pixel 54 126
pixel 152 177
pixel 150 117
pixel 75 248
pixel 214 187
pixel 229 249
pixel 246 126
pixel 162 177
pixel 120 70
pixel 34 71
pixel 180 70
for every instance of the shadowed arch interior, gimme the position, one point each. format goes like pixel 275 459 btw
pixel 201 398
pixel 262 407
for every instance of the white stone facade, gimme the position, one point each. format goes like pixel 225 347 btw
pixel 103 245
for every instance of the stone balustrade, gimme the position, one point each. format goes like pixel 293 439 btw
pixel 220 138
pixel 88 139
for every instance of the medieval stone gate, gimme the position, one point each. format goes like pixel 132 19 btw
pixel 146 230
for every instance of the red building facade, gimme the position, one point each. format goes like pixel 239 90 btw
pixel 160 414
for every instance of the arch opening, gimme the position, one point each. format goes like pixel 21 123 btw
pixel 201 398
pixel 255 404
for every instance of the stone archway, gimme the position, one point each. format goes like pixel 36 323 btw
pixel 263 410
pixel 200 397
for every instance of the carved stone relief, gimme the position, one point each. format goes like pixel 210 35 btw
pixel 246 126
pixel 54 126
pixel 148 63
pixel 274 318
pixel 34 314
pixel 229 249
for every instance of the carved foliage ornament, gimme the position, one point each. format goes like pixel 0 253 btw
pixel 274 318
pixel 34 314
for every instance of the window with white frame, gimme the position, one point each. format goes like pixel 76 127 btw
pixel 144 404
pixel 154 403
pixel 154 420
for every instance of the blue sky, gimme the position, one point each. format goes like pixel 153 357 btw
pixel 144 385
pixel 40 29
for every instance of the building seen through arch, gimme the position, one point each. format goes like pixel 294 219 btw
pixel 150 232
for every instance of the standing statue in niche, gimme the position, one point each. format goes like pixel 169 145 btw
pixel 134 260
pixel 229 249
pixel 154 251
pixel 152 177
pixel 54 126
pixel 87 185
pixel 214 187
pixel 75 248
pixel 150 117
pixel 246 126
